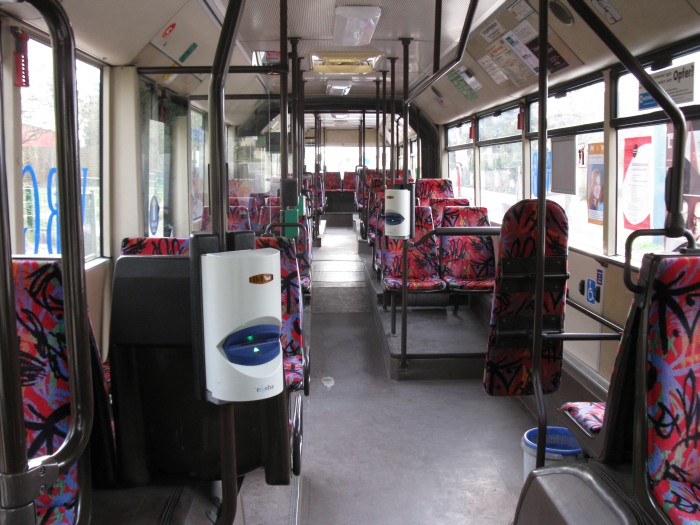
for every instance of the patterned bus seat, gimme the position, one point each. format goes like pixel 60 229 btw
pixel 46 385
pixel 349 181
pixel 155 246
pixel 268 215
pixel 241 187
pixel 254 211
pixel 427 189
pixel 438 207
pixel 332 181
pixel 508 370
pixel 671 367
pixel 422 260
pixel 291 336
pixel 467 263
pixel 238 219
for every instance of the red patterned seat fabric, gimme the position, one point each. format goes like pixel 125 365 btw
pixel 349 181
pixel 303 246
pixel 427 189
pixel 155 246
pixel 376 210
pixel 254 211
pixel 44 375
pixel 332 181
pixel 422 260
pixel 467 262
pixel 237 219
pixel 438 206
pixel 272 201
pixel 291 329
pixel 673 366
pixel 589 415
pixel 508 370
pixel 268 215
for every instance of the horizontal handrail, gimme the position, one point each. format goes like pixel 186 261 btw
pixel 464 231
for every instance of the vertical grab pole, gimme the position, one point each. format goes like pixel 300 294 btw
pixel 376 124
pixel 284 95
pixel 72 257
pixel 404 253
pixel 392 161
pixel 384 72
pixel 13 447
pixel 219 206
pixel 295 113
pixel 541 233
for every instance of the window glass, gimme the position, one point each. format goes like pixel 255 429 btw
pixel 501 172
pixel 505 124
pixel 580 106
pixel 199 189
pixel 585 230
pixel 644 154
pixel 680 76
pixel 461 173
pixel 39 175
pixel 459 135
pixel 164 144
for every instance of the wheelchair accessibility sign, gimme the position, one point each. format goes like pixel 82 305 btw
pixel 590 291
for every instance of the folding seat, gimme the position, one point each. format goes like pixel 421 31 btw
pixel 296 364
pixel 332 181
pixel 427 189
pixel 45 377
pixel 508 356
pixel 155 246
pixel 438 206
pixel 467 263
pixel 349 181
pixel 319 189
pixel 422 273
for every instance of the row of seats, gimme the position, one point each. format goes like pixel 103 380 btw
pixel 333 182
pixel 453 263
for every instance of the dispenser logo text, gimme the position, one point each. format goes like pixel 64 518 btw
pixel 265 388
pixel 261 278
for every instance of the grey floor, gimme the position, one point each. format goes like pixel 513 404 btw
pixel 382 452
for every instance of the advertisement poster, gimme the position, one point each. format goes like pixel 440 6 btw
pixel 638 183
pixel 594 189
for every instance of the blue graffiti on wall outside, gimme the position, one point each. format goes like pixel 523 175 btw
pixel 53 232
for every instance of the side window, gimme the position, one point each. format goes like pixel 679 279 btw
pixel 39 174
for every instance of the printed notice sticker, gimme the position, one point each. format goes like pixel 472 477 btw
pixel 492 31
pixel 520 9
pixel 608 10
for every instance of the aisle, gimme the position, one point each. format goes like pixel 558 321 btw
pixel 383 452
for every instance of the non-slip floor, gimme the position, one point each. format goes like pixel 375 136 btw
pixel 384 452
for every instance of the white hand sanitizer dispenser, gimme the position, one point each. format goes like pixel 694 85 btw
pixel 241 297
pixel 397 213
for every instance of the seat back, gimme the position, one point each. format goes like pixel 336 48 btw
pixel 427 189
pixel 668 396
pixel 241 187
pixel 332 181
pixel 291 335
pixel 508 369
pixel 376 210
pixel 45 377
pixel 349 181
pixel 467 257
pixel 155 246
pixel 237 219
pixel 272 201
pixel 268 215
pixel 319 190
pixel 422 259
pixel 438 207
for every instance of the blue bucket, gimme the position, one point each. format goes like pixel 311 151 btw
pixel 561 445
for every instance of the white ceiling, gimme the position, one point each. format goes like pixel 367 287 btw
pixel 129 32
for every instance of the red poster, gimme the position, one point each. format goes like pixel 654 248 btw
pixel 637 183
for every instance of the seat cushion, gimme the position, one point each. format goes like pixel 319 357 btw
pixel 469 285
pixel 415 285
pixel 587 414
